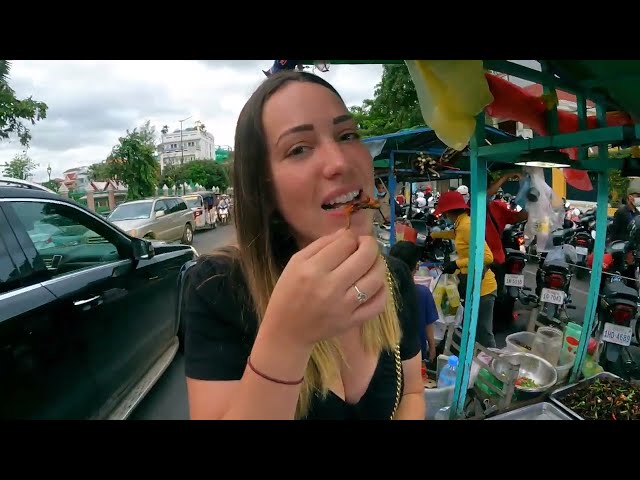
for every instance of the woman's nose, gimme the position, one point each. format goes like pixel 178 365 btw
pixel 334 159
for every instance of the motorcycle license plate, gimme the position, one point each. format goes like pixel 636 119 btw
pixel 582 251
pixel 511 280
pixel 552 296
pixel 617 334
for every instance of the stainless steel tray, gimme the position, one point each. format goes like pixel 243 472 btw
pixel 557 396
pixel 537 411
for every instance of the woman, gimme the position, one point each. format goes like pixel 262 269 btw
pixel 427 313
pixel 453 206
pixel 300 320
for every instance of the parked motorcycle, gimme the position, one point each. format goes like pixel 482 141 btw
pixel 553 280
pixel 583 241
pixel 513 237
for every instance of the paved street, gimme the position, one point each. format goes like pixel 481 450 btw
pixel 168 399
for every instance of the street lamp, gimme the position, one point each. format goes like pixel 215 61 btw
pixel 49 171
pixel 181 146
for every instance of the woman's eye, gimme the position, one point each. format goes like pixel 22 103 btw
pixel 298 150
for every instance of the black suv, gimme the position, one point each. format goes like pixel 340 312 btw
pixel 87 313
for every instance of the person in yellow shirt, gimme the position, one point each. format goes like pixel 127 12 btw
pixel 456 210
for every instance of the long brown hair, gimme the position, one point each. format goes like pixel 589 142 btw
pixel 266 244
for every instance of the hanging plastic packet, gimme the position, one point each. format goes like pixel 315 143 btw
pixel 546 211
pixel 521 197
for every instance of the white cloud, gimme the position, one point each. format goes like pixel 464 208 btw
pixel 92 103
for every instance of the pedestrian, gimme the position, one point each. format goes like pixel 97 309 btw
pixel 409 253
pixel 304 319
pixel 453 206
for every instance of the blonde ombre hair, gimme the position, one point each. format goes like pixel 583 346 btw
pixel 265 244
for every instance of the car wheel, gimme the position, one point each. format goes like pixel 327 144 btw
pixel 187 236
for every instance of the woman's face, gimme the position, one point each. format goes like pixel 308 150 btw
pixel 317 160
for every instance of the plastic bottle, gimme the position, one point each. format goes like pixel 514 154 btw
pixel 570 344
pixel 443 413
pixel 449 372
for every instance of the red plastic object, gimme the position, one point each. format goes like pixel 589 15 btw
pixel 512 102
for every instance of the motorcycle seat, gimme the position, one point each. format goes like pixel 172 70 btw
pixel 558 266
pixel 512 252
pixel 620 290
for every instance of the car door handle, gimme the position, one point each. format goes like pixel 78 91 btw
pixel 79 303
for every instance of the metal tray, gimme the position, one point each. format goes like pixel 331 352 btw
pixel 537 411
pixel 557 396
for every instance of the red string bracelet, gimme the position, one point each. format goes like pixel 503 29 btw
pixel 271 379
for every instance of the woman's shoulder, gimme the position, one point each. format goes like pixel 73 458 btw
pixel 216 282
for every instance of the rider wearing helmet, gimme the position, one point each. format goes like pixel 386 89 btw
pixel 626 213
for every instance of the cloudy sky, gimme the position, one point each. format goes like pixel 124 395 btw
pixel 92 103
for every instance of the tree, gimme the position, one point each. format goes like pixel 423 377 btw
pixel 20 167
pixel 207 173
pixel 394 106
pixel 13 112
pixel 132 161
pixel 51 185
pixel 100 172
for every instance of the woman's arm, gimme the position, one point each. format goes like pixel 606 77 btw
pixel 253 397
pixel 412 405
pixel 463 238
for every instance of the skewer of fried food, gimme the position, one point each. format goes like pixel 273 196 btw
pixel 361 205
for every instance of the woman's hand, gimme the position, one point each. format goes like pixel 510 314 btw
pixel 315 298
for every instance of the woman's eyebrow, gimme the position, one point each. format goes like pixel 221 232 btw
pixel 307 127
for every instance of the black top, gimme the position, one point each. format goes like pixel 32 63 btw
pixel 221 326
pixel 619 229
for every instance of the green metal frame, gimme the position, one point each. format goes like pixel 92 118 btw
pixel 480 154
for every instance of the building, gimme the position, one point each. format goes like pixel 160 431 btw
pixel 185 146
pixel 75 179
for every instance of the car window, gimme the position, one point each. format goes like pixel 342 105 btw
pixel 9 271
pixel 65 237
pixel 131 211
pixel 182 206
pixel 172 204
pixel 194 201
pixel 160 206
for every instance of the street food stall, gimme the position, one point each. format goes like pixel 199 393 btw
pixel 455 96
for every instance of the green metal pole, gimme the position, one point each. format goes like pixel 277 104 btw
pixel 598 252
pixel 476 264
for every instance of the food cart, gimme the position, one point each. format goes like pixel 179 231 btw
pixel 612 86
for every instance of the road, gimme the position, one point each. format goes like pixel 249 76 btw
pixel 168 398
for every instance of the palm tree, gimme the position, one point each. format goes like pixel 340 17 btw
pixel 5 68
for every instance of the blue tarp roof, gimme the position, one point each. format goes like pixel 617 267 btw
pixel 424 139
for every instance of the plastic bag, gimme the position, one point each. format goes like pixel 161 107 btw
pixel 546 211
pixel 521 197
pixel 446 295
pixel 563 254
pixel 451 93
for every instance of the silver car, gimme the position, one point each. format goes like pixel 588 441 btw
pixel 165 218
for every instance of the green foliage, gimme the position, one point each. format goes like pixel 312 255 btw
pixel 99 172
pixel 20 167
pixel 133 162
pixel 207 173
pixel 14 112
pixel 51 185
pixel 394 106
